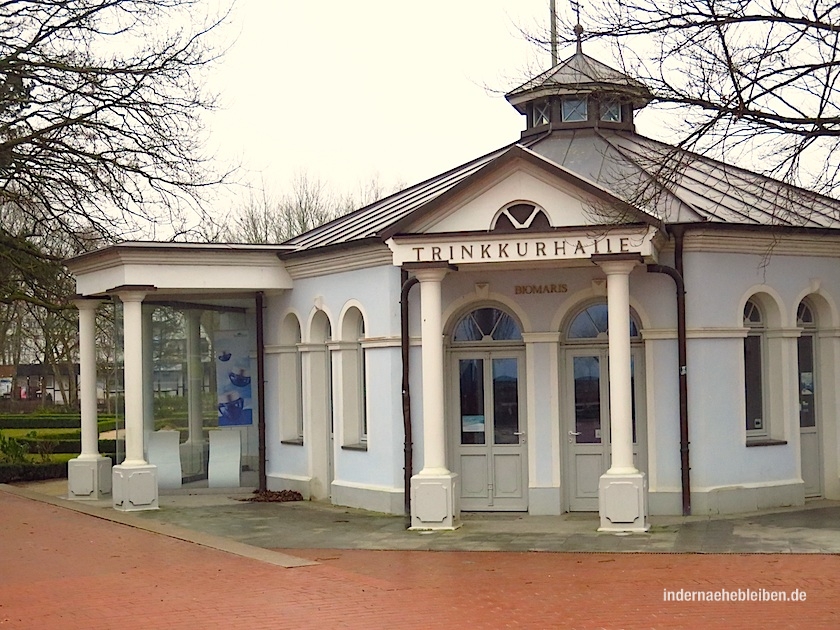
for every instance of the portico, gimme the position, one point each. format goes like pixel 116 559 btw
pixel 431 258
pixel 138 276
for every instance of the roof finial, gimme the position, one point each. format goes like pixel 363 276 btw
pixel 552 9
pixel 578 27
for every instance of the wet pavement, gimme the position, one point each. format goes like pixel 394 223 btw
pixel 212 561
pixel 311 525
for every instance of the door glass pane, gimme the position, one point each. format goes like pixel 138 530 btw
pixel 587 399
pixel 472 400
pixel 752 381
pixel 505 401
pixel 806 381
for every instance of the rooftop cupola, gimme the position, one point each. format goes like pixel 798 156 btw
pixel 576 93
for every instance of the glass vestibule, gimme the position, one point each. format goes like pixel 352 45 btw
pixel 488 408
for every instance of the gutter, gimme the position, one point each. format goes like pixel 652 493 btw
pixel 407 283
pixel 677 274
pixel 258 299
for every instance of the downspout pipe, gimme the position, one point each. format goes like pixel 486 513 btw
pixel 407 284
pixel 677 275
pixel 258 299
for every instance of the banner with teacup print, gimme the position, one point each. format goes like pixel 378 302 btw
pixel 233 377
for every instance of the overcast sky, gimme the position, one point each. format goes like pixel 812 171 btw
pixel 348 89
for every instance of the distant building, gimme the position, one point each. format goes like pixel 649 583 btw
pixel 38 381
pixel 553 364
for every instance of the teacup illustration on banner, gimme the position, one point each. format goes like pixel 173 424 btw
pixel 230 408
pixel 240 380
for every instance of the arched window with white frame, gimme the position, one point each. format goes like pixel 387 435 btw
pixel 354 399
pixel 754 369
pixel 291 381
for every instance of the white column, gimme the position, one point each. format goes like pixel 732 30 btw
pixel 435 495
pixel 192 451
pixel 195 376
pixel 622 491
pixel 135 480
pixel 89 474
pixel 621 401
pixel 148 375
pixel 434 427
pixel 134 377
pixel 87 378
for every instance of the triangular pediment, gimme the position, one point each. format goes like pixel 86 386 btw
pixel 520 192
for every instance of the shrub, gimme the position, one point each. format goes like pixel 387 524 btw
pixel 45 447
pixel 12 450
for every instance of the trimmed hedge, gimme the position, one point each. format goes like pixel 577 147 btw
pixel 33 471
pixel 53 421
pixel 69 446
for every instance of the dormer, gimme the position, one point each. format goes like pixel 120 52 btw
pixel 577 93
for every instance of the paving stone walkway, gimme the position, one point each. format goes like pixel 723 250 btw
pixel 61 568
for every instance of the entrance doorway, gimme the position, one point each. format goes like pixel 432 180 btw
pixel 586 425
pixel 487 402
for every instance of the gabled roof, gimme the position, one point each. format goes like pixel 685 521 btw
pixel 579 73
pixel 668 184
pixel 372 220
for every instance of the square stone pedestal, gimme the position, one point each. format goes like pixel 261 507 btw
pixel 622 503
pixel 89 478
pixel 135 488
pixel 435 502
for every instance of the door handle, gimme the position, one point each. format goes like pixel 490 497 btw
pixel 574 432
pixel 519 432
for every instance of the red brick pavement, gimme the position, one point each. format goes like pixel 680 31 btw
pixel 63 569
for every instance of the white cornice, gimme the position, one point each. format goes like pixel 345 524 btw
pixel 173 254
pixel 350 259
pixel 656 334
pixel 762 243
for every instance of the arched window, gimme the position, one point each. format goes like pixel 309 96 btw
pixel 593 323
pixel 486 324
pixel 754 351
pixel 291 380
pixel 353 410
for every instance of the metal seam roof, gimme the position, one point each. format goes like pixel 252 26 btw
pixel 801 210
pixel 706 189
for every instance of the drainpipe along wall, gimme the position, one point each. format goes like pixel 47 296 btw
pixel 258 299
pixel 408 463
pixel 677 275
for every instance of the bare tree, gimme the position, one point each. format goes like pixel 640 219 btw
pixel 756 78
pixel 100 130
pixel 309 202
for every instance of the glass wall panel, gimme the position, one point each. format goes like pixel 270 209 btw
pixel 587 371
pixel 505 401
pixel 472 401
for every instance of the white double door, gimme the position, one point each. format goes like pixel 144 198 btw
pixel 586 434
pixel 490 452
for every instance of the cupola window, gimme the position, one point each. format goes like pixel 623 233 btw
pixel 574 109
pixel 611 110
pixel 540 113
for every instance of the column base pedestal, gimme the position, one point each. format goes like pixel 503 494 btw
pixel 135 488
pixel 622 502
pixel 89 479
pixel 435 502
